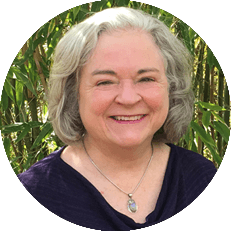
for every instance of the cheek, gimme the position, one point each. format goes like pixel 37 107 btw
pixel 100 102
pixel 157 99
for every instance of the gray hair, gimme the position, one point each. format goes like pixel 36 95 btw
pixel 74 50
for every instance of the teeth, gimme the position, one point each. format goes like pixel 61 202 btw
pixel 128 118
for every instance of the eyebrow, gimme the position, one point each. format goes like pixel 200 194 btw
pixel 103 72
pixel 110 72
pixel 141 71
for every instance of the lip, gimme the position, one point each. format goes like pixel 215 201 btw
pixel 129 121
pixel 129 115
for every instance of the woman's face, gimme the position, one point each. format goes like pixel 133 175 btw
pixel 123 94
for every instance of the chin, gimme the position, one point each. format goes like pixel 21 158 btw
pixel 127 142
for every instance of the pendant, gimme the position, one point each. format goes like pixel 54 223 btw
pixel 132 207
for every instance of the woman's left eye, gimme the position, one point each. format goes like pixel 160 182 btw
pixel 146 79
pixel 104 83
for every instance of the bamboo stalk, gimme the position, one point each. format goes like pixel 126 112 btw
pixel 199 77
pixel 24 49
pixel 221 103
pixel 38 59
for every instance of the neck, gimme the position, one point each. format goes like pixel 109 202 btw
pixel 114 156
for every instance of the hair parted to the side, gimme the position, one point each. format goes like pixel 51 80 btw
pixel 75 48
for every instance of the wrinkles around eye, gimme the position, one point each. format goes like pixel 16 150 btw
pixel 104 83
pixel 147 79
pixel 108 82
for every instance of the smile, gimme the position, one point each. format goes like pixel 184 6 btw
pixel 127 118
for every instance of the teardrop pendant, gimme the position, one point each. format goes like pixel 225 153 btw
pixel 132 207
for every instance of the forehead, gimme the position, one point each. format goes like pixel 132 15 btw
pixel 131 48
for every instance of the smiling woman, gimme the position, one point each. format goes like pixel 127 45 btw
pixel 112 86
pixel 120 95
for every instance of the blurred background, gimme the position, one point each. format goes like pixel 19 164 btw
pixel 25 128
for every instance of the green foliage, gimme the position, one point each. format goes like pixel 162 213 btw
pixel 27 133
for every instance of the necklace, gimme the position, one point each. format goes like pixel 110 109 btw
pixel 131 204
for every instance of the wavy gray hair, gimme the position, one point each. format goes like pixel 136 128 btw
pixel 75 48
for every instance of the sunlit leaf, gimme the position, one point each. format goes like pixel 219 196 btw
pixel 12 128
pixel 9 89
pixel 51 26
pixel 4 100
pixel 22 77
pixel 19 126
pixel 214 153
pixel 64 15
pixel 206 118
pixel 211 106
pixel 45 130
pixel 205 137
pixel 191 33
pixel 222 129
pixel 19 93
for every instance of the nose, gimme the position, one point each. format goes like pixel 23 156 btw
pixel 127 94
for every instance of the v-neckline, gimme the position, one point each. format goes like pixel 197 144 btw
pixel 104 201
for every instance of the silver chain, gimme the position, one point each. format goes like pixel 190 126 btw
pixel 137 186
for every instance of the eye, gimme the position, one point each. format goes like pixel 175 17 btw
pixel 146 79
pixel 104 83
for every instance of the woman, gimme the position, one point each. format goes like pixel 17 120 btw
pixel 120 95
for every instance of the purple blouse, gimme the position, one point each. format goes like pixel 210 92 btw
pixel 66 193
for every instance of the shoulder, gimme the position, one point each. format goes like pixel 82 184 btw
pixel 192 161
pixel 41 172
pixel 195 170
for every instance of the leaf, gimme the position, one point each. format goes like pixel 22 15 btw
pixel 19 93
pixel 56 37
pixel 216 63
pixel 44 69
pixel 122 2
pixel 34 124
pixel 63 16
pixel 50 51
pixel 155 10
pixel 218 117
pixel 39 40
pixel 75 12
pixel 21 61
pixel 194 147
pixel 211 106
pixel 40 156
pixel 12 128
pixel 4 100
pixel 191 33
pixel 214 153
pixel 45 130
pixel 19 126
pixel 185 34
pixel 210 58
pixel 53 43
pixel 22 77
pixel 6 143
pixel 16 158
pixel 51 25
pixel 205 137
pixel 28 162
pixel 9 89
pixel 222 129
pixel 96 6
pixel 23 134
pixel 206 118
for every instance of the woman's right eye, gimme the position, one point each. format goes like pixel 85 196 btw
pixel 104 83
